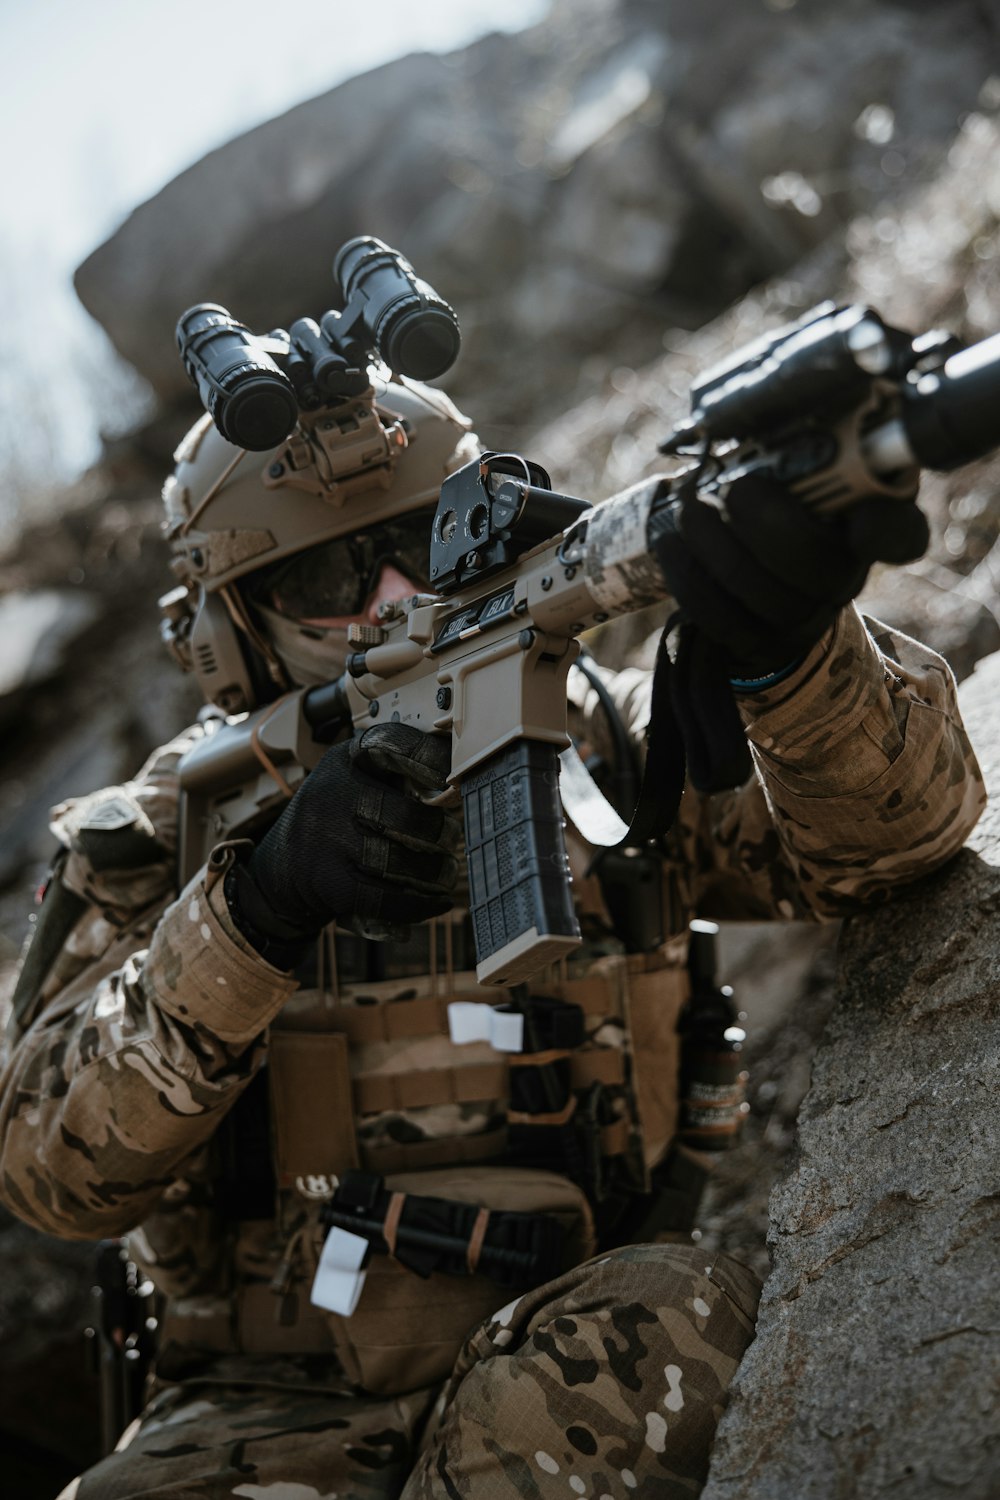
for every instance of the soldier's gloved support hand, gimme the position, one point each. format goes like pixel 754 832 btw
pixel 353 846
pixel 764 577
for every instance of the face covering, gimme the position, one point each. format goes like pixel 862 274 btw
pixel 310 653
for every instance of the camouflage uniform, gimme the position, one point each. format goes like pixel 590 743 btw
pixel 132 1045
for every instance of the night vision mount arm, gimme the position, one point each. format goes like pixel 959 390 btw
pixel 839 406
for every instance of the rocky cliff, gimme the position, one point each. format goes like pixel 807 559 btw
pixel 623 169
pixel 875 1363
pixel 612 201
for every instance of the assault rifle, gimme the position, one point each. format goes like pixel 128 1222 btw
pixel 838 405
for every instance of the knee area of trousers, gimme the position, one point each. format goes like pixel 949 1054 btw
pixel 613 1376
pixel 641 1304
pixel 670 1278
pixel 652 1311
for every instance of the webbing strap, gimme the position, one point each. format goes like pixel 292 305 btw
pixel 598 1065
pixel 390 1227
pixel 662 778
pixel 405 1020
pixel 476 1239
pixel 598 995
pixel 559 1117
pixel 614 1138
pixel 538 1059
pixel 412 1156
pixel 428 1087
pixel 394 1020
pixel 476 1083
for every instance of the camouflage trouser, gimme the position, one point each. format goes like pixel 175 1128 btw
pixel 606 1382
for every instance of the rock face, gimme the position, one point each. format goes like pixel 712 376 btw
pixel 40 630
pixel 587 195
pixel 878 1347
pixel 931 263
pixel 620 169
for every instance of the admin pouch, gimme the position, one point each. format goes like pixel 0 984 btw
pixel 407 1329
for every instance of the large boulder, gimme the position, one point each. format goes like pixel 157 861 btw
pixel 40 631
pixel 620 169
pixel 931 263
pixel 875 1362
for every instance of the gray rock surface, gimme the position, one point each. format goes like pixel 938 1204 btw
pixel 931 263
pixel 86 689
pixel 622 168
pixel 876 1359
pixel 587 195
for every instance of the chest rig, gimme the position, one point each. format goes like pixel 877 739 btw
pixel 575 1073
pixel 576 1076
pixel 470 1167
pixel 460 1128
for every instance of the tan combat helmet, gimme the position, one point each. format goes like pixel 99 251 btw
pixel 232 514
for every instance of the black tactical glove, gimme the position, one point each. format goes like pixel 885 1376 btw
pixel 352 847
pixel 764 577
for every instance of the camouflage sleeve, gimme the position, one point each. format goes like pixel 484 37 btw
pixel 137 1019
pixel 866 774
pixel 865 779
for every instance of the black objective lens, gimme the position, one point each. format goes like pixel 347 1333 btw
pixel 250 400
pixel 952 415
pixel 413 330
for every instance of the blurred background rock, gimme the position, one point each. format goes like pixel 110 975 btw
pixel 612 198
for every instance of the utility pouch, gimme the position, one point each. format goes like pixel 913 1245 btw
pixel 541 1130
pixel 657 997
pixel 407 1328
pixel 427 1234
pixel 312 1115
pixel 632 887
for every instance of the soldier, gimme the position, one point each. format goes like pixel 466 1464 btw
pixel 205 1065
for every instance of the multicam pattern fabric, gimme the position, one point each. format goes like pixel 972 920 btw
pixel 607 1382
pixel 150 1020
pixel 865 780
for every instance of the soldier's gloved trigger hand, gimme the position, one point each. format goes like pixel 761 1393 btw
pixel 764 577
pixel 353 846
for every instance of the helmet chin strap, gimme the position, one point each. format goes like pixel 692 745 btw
pixel 241 618
pixel 309 654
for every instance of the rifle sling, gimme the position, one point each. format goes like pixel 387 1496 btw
pixel 662 777
pixel 694 725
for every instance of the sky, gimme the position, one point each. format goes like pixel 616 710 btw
pixel 104 102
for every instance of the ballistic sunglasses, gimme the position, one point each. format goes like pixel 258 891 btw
pixel 335 578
